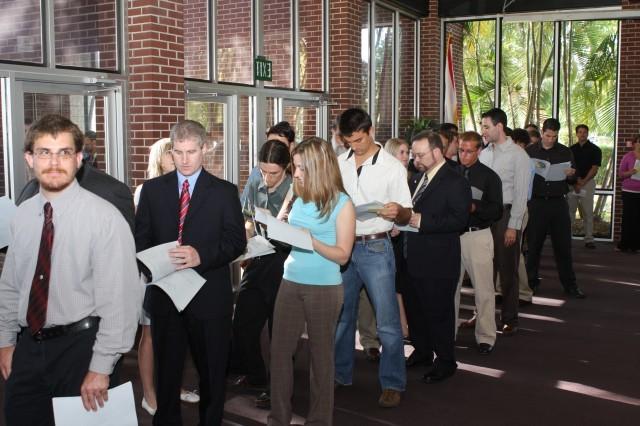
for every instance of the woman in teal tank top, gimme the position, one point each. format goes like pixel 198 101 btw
pixel 311 290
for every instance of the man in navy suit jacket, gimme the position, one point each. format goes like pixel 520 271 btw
pixel 212 236
pixel 441 206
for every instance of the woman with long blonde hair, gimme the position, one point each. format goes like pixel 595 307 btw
pixel 311 290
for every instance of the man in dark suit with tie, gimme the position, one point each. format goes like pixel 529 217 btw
pixel 441 204
pixel 203 214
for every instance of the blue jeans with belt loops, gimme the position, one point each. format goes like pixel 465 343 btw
pixel 372 265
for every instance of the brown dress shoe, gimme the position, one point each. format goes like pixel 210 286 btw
pixel 509 330
pixel 390 398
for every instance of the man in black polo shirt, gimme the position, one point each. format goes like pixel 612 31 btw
pixel 548 210
pixel 476 242
pixel 588 159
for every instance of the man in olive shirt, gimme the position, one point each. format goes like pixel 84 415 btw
pixel 69 303
pixel 588 158
pixel 548 211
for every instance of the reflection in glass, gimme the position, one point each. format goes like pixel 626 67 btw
pixel 196 39
pixel 526 90
pixel 588 87
pixel 478 76
pixel 3 169
pixel 234 46
pixel 310 33
pixel 364 54
pixel 277 41
pixel 86 34
pixel 383 90
pixel 20 31
pixel 247 140
pixel 303 121
pixel 407 72
pixel 212 116
pixel 602 211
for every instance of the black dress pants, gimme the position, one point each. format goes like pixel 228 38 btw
pixel 255 304
pixel 42 370
pixel 630 232
pixel 550 216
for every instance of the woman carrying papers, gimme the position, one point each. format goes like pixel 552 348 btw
pixel 262 274
pixel 311 289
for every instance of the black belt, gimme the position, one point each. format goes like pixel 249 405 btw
pixel 65 330
pixel 548 197
pixel 475 228
pixel 371 237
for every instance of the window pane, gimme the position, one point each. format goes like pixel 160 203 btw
pixel 478 66
pixel 212 116
pixel 602 210
pixel 234 46
pixel 407 72
pixel 247 142
pixel 277 41
pixel 3 169
pixel 310 44
pixel 196 39
pixel 86 33
pixel 588 86
pixel 303 120
pixel 383 51
pixel 364 49
pixel 526 90
pixel 20 32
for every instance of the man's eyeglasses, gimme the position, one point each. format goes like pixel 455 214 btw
pixel 63 154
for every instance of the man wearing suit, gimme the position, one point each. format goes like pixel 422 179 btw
pixel 97 182
pixel 441 205
pixel 203 213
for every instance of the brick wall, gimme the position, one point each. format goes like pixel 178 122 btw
pixel 234 41
pixel 156 79
pixel 310 44
pixel 430 67
pixel 629 98
pixel 407 77
pixel 20 40
pixel 277 41
pixel 196 39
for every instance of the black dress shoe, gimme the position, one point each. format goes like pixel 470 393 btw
pixel 575 293
pixel 372 354
pixel 485 348
pixel 509 330
pixel 498 299
pixel 437 375
pixel 590 245
pixel 417 358
pixel 263 401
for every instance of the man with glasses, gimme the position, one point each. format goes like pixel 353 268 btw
pixel 476 241
pixel 68 298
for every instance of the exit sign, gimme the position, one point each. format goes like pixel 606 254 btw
pixel 263 68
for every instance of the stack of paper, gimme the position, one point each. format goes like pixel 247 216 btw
pixel 369 210
pixel 282 231
pixel 256 246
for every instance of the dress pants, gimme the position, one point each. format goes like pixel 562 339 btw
pixel 630 232
pixel 208 339
pixel 319 307
pixel 524 291
pixel 43 370
pixel 550 216
pixel 477 260
pixel 586 211
pixel 505 263
pixel 254 308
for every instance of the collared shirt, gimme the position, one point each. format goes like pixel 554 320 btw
pixel 429 175
pixel 258 195
pixel 192 181
pixel 93 272
pixel 486 193
pixel 383 180
pixel 512 165
pixel 586 156
pixel 558 153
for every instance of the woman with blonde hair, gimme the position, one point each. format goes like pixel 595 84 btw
pixel 160 162
pixel 311 291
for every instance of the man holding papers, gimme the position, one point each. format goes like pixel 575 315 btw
pixel 69 303
pixel 548 208
pixel 370 174
pixel 203 214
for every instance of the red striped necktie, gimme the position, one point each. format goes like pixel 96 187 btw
pixel 184 206
pixel 39 295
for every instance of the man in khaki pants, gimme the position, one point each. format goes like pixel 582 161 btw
pixel 477 242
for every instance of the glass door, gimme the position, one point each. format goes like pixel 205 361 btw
pixel 304 117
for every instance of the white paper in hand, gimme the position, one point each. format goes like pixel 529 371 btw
pixel 157 260
pixel 557 172
pixel 286 233
pixel 256 246
pixel 119 410
pixel 636 175
pixel 369 210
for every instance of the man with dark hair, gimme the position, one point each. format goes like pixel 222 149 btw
pixel 531 127
pixel 512 166
pixel 477 261
pixel 521 137
pixel 588 158
pixel 535 136
pixel 370 174
pixel 204 215
pixel 89 148
pixel 78 245
pixel 548 211
pixel 441 205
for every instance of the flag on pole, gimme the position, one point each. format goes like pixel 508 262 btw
pixel 450 98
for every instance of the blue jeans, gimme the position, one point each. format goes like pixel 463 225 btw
pixel 372 265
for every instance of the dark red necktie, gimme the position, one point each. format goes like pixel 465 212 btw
pixel 184 206
pixel 39 295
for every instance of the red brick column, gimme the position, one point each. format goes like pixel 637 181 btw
pixel 629 99
pixel 430 67
pixel 156 76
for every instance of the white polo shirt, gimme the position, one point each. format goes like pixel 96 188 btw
pixel 382 178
